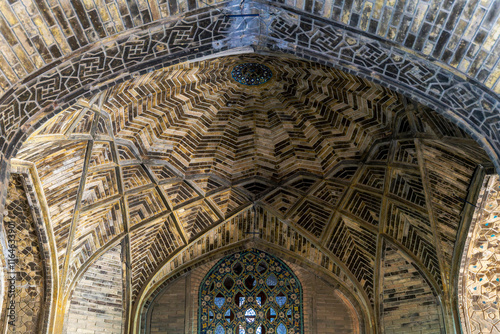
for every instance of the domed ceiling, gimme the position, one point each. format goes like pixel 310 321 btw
pixel 306 119
pixel 353 168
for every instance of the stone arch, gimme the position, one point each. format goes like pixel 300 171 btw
pixel 471 106
pixel 478 279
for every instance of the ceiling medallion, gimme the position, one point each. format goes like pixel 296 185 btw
pixel 251 74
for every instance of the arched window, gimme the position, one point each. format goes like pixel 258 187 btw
pixel 250 292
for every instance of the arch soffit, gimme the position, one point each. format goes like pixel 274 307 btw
pixel 120 237
pixel 470 105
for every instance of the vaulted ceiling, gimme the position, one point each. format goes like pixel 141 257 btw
pixel 163 158
pixel 130 140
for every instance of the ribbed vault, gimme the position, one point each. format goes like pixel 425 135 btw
pixel 346 169
pixel 443 54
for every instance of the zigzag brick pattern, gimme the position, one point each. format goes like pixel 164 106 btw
pixel 39 33
pixel 185 149
pixel 150 245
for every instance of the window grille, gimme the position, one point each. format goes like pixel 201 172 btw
pixel 250 292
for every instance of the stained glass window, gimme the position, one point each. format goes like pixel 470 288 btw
pixel 250 292
pixel 251 74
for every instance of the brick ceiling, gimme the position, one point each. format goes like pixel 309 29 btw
pixel 460 34
pixel 441 53
pixel 136 142
pixel 163 158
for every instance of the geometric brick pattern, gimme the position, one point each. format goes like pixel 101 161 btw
pixel 24 266
pixel 365 206
pixel 450 194
pixel 251 225
pixel 165 315
pixel 442 84
pixel 96 228
pixel 145 205
pixel 100 185
pixel 413 230
pixel 319 156
pixel 334 313
pixel 195 141
pixel 458 34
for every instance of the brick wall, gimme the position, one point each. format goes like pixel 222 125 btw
pixel 169 312
pixel 409 305
pixel 325 311
pixel 97 303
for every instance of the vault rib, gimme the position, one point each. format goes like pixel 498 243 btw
pixel 327 253
pixel 377 277
pixel 164 199
pixel 429 200
pixel 78 203
pixel 126 258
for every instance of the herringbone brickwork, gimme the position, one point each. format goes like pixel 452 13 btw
pixel 183 161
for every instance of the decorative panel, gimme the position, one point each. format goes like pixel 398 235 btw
pixel 252 292
pixel 356 247
pixel 25 272
pixel 480 275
